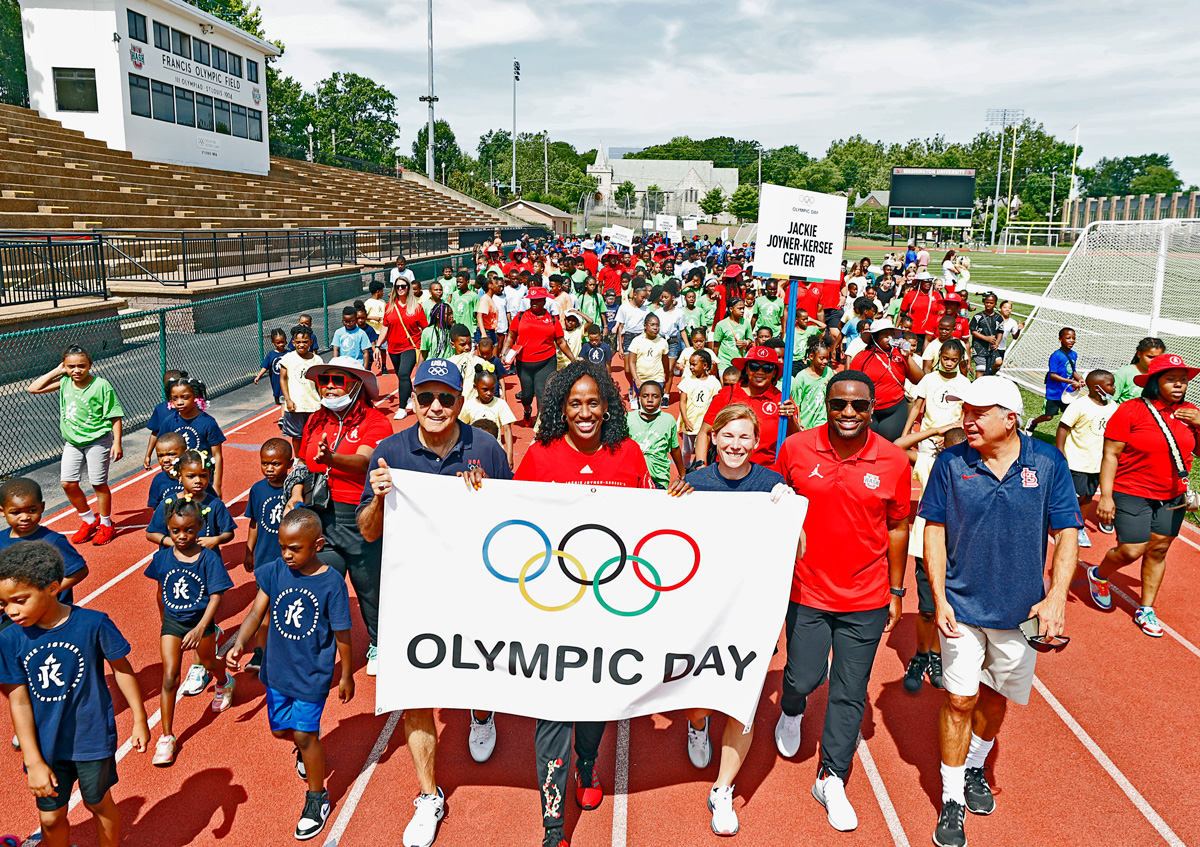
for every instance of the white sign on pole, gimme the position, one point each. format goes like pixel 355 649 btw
pixel 689 225
pixel 665 223
pixel 622 235
pixel 647 225
pixel 725 235
pixel 641 607
pixel 800 233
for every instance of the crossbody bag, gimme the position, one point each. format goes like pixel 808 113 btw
pixel 1191 499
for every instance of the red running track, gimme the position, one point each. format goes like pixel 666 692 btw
pixel 1104 754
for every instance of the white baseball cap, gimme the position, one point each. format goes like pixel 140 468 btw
pixel 992 391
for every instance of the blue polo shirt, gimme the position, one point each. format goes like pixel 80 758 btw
pixel 996 529
pixel 405 452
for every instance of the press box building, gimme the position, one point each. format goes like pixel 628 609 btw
pixel 159 78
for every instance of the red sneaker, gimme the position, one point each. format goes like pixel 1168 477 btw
pixel 85 532
pixel 588 793
pixel 104 535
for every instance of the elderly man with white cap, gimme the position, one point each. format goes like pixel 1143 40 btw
pixel 987 508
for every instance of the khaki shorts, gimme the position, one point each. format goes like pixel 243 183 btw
pixel 999 658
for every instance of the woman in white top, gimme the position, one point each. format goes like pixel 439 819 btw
pixel 950 271
pixel 1010 330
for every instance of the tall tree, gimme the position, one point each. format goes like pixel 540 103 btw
pixel 356 117
pixel 713 203
pixel 290 109
pixel 1114 177
pixel 625 193
pixel 446 153
pixel 14 87
pixel 1156 179
pixel 743 205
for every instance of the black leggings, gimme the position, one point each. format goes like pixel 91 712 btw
pixel 403 364
pixel 889 422
pixel 347 553
pixel 533 376
pixel 552 749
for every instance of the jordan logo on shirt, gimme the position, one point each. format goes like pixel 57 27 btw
pixel 49 673
pixel 292 616
pixel 816 471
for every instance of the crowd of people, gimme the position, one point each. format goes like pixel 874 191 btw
pixel 895 377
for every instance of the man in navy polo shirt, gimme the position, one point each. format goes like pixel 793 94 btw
pixel 438 444
pixel 986 582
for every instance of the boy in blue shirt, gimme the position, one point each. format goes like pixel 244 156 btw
pixel 23 506
pixel 52 672
pixel 360 316
pixel 264 508
pixel 309 609
pixel 1059 375
pixel 349 340
pixel 596 350
pixel 270 363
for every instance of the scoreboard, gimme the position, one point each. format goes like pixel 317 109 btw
pixel 936 196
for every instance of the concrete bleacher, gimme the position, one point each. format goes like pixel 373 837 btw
pixel 52 178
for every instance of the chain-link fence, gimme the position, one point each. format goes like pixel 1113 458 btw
pixel 220 341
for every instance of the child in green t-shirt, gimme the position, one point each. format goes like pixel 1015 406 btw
pixel 806 330
pixel 808 388
pixel 90 418
pixel 435 338
pixel 657 434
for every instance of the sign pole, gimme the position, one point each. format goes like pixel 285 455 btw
pixel 789 344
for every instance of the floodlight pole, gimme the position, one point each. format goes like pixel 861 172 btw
pixel 512 189
pixel 1012 165
pixel 546 159
pixel 429 165
pixel 1001 117
pixel 996 204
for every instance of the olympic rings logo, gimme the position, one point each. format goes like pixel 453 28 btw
pixel 580 577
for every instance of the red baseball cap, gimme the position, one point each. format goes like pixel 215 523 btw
pixel 1165 362
pixel 733 271
pixel 757 354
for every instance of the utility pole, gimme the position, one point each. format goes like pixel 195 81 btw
pixel 1001 117
pixel 512 189
pixel 492 177
pixel 1071 194
pixel 546 159
pixel 430 99
pixel 1012 164
pixel 760 168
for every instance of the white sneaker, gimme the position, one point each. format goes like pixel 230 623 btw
pixel 423 827
pixel 372 660
pixel 699 745
pixel 482 738
pixel 196 681
pixel 724 818
pixel 787 735
pixel 1084 541
pixel 830 792
pixel 400 415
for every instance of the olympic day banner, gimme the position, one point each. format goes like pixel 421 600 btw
pixel 578 602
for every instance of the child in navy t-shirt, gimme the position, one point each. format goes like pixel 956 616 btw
pixel 52 668
pixel 596 350
pixel 23 506
pixel 308 607
pixel 270 363
pixel 216 524
pixel 264 508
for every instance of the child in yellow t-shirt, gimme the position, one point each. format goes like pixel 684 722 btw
pixel 696 391
pixel 573 325
pixel 465 360
pixel 1080 438
pixel 648 353
pixel 485 405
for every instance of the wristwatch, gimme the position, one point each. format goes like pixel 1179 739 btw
pixel 898 592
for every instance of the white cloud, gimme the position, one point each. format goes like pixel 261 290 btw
pixel 783 71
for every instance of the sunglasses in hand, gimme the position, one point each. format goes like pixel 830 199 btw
pixel 1030 627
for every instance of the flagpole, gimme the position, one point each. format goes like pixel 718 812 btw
pixel 789 346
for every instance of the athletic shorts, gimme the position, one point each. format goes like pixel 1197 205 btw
pixel 292 423
pixel 284 712
pixel 627 339
pixel 1085 483
pixel 95 778
pixel 687 444
pixel 179 628
pixel 96 456
pixel 1138 517
pixel 1054 408
pixel 999 658
pixel 985 363
pixel 924 592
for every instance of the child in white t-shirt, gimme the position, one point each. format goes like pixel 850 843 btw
pixel 648 354
pixel 933 406
pixel 696 392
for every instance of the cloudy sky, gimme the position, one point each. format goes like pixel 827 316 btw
pixel 627 73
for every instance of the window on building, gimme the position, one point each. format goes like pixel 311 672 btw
pixel 75 90
pixel 181 44
pixel 199 51
pixel 139 95
pixel 222 113
pixel 235 65
pixel 220 59
pixel 252 71
pixel 162 96
pixel 136 25
pixel 185 107
pixel 162 36
pixel 204 112
pixel 255 120
pixel 239 120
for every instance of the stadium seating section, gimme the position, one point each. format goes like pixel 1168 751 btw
pixel 54 178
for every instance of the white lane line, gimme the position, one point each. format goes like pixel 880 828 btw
pixel 881 794
pixel 1188 542
pixel 152 471
pixel 1168 835
pixel 1171 631
pixel 621 787
pixel 360 785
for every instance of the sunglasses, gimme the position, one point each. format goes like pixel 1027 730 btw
pixel 839 404
pixel 1042 643
pixel 759 367
pixel 425 398
pixel 401 287
pixel 336 380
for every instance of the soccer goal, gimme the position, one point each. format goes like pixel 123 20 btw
pixel 1122 281
pixel 1022 237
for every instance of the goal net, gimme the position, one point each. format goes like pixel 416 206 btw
pixel 1121 282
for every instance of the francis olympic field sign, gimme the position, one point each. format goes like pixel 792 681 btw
pixel 800 233
pixel 577 602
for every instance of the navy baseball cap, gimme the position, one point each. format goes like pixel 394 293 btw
pixel 438 370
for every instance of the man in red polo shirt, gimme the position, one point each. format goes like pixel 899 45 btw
pixel 846 589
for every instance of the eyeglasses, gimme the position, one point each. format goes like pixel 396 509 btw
pixel 759 367
pixel 425 398
pixel 839 404
pixel 336 380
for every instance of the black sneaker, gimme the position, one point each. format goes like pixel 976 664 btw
pixel 312 819
pixel 979 794
pixel 554 837
pixel 934 669
pixel 950 832
pixel 255 662
pixel 915 675
pixel 300 769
